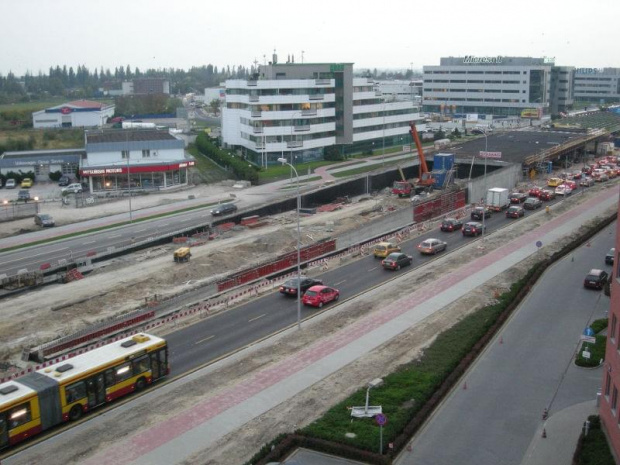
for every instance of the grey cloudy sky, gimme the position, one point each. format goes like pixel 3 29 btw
pixel 37 34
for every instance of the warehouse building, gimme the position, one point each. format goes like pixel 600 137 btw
pixel 76 114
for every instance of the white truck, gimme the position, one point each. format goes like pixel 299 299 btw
pixel 497 198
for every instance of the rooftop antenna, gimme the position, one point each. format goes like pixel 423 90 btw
pixel 302 56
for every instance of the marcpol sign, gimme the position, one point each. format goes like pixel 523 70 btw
pixel 470 59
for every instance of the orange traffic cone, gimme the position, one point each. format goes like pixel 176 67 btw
pixel 544 433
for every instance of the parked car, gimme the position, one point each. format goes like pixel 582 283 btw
pixel 472 228
pixel 224 209
pixel 396 260
pixel 74 188
pixel 515 212
pixel 586 181
pixel 26 182
pixel 290 287
pixel 534 191
pixel 317 296
pixel 476 131
pixel 595 279
pixel 563 190
pixel 383 249
pixel 547 194
pixel 44 220
pixel 23 195
pixel 554 182
pixel 478 212
pixel 532 203
pixel 451 224
pixel 609 258
pixel 64 181
pixel 10 183
pixel 517 197
pixel 432 246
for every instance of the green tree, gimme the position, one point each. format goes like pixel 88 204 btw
pixel 214 105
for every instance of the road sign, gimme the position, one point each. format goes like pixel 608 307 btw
pixel 588 331
pixel 538 244
pixel 588 338
pixel 381 419
pixel 490 154
pixel 585 354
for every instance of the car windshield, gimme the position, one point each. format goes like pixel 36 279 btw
pixel 380 247
pixel 310 293
pixel 44 217
pixel 393 256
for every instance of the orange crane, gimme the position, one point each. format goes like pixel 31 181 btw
pixel 403 187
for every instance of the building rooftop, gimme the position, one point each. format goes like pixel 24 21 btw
pixel 82 104
pixel 125 135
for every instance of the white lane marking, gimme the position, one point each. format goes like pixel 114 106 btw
pixel 35 255
pixel 256 318
pixel 372 269
pixel 340 282
pixel 112 237
pixel 203 340
pixel 91 242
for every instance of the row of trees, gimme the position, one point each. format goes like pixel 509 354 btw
pixel 82 82
pixel 241 168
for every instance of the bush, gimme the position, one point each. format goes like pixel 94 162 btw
pixel 242 169
pixel 55 176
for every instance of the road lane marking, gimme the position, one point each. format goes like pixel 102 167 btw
pixel 91 242
pixel 35 255
pixel 141 230
pixel 372 269
pixel 340 282
pixel 187 219
pixel 203 340
pixel 256 318
pixel 112 237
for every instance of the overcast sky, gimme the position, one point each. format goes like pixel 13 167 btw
pixel 37 34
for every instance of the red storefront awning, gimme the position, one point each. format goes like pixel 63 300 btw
pixel 135 169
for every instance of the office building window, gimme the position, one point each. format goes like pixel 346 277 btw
pixel 125 154
pixel 614 400
pixel 614 322
pixel 607 385
pixel 146 153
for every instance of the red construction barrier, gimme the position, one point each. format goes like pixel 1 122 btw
pixel 179 240
pixel 91 253
pixel 45 266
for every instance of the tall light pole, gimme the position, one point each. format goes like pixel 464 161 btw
pixel 484 205
pixel 128 177
pixel 383 151
pixel 284 162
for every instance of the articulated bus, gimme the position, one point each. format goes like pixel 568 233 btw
pixel 65 390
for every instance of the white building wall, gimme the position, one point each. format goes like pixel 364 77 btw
pixel 116 157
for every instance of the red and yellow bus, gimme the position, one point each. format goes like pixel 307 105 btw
pixel 65 390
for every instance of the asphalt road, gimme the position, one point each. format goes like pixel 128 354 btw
pixel 494 420
pixel 225 332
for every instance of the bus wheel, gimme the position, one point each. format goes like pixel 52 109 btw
pixel 75 413
pixel 140 384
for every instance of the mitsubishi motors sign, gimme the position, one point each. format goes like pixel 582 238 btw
pixel 66 110
pixel 490 154
pixel 136 169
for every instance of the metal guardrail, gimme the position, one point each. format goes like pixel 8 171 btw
pixel 558 149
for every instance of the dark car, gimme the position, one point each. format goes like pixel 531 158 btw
pixel 396 260
pixel 595 279
pixel 451 224
pixel 515 212
pixel 476 131
pixel 547 194
pixel 290 286
pixel 44 220
pixel 472 229
pixel 532 203
pixel 23 195
pixel 609 258
pixel 224 209
pixel 64 181
pixel 518 197
pixel 478 212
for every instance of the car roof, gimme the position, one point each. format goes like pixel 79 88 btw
pixel 595 272
pixel 472 223
pixel 317 288
pixel 385 244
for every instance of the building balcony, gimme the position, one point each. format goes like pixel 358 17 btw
pixel 294 144
pixel 317 97
pixel 256 113
pixel 253 98
pixel 378 93
pixel 252 83
pixel 303 128
pixel 257 130
pixel 308 112
pixel 322 82
pixel 260 146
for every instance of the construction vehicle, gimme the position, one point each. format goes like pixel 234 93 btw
pixel 182 254
pixel 425 180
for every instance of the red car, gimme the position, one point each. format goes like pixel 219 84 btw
pixel 571 184
pixel 534 191
pixel 547 194
pixel 316 296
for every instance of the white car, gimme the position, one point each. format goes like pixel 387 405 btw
pixel 74 188
pixel 563 190
pixel 10 183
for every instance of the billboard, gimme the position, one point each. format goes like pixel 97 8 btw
pixel 534 113
pixel 471 117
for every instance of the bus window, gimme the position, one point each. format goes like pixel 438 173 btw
pixel 19 415
pixel 75 391
pixel 123 372
pixel 140 365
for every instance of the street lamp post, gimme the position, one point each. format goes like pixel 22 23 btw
pixel 484 205
pixel 128 177
pixel 383 137
pixel 284 162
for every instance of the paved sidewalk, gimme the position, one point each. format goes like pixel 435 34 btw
pixel 178 436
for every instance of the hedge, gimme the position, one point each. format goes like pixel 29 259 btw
pixel 241 168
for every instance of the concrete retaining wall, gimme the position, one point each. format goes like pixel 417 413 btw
pixel 394 220
pixel 507 177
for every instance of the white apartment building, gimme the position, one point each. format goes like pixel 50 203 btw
pixel 597 85
pixel 300 111
pixel 498 86
pixel 400 90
